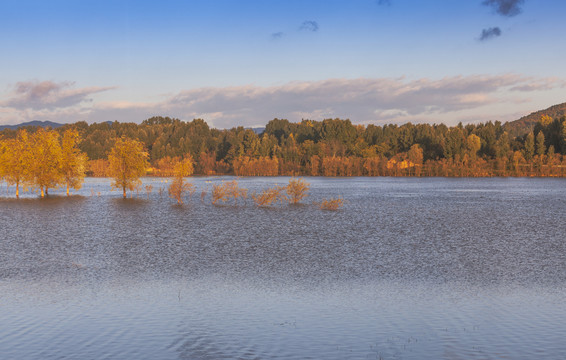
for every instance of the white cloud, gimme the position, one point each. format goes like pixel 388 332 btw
pixel 361 100
pixel 390 113
pixel 378 100
pixel 48 95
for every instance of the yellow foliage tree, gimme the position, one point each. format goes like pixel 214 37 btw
pixel 185 167
pixel 473 143
pixel 127 163
pixel 12 160
pixel 43 160
pixel 546 120
pixel 73 161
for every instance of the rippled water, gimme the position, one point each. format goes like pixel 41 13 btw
pixel 407 269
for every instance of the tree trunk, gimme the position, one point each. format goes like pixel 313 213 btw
pixel 67 189
pixel 124 188
pixel 17 190
pixel 42 192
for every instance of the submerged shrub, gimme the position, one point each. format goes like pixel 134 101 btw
pixel 297 190
pixel 148 190
pixel 179 188
pixel 331 204
pixel 226 190
pixel 270 196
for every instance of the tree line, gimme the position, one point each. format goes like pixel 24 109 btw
pixel 332 147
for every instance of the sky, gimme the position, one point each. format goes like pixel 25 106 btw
pixel 245 62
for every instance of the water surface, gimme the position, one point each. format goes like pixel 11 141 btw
pixel 408 269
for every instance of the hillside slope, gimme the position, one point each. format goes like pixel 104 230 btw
pixel 527 123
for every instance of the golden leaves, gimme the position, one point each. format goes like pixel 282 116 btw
pixel 127 163
pixel 43 160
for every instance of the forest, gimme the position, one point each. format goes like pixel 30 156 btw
pixel 332 147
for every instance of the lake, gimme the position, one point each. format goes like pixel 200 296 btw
pixel 409 268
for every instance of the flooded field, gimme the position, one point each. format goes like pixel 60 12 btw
pixel 409 268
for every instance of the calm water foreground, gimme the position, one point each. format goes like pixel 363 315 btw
pixel 408 269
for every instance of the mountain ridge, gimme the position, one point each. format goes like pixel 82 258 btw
pixel 43 124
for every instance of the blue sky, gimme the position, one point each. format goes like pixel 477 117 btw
pixel 244 62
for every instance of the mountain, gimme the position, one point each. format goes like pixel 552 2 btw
pixel 527 123
pixel 258 130
pixel 43 124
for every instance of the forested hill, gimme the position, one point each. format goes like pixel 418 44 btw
pixel 527 123
pixel 515 128
pixel 336 147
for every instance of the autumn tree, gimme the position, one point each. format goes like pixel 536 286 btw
pixel 98 168
pixel 128 161
pixel 179 187
pixel 540 147
pixel 43 160
pixel 517 160
pixel 545 120
pixel 415 156
pixel 297 190
pixel 540 151
pixel 529 146
pixel 12 160
pixel 73 161
pixel 473 145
